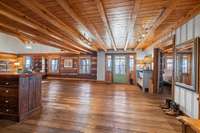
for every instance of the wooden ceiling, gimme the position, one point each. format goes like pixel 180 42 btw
pixel 90 25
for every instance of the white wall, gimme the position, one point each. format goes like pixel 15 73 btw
pixel 101 66
pixel 188 99
pixel 11 44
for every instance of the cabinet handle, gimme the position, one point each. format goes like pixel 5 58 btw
pixel 7 83
pixel 6 91
pixel 6 101
pixel 7 110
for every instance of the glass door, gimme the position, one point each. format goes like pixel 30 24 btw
pixel 120 69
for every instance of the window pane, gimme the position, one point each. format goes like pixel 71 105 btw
pixel 131 63
pixel 54 65
pixel 184 66
pixel 120 65
pixel 85 66
pixel 28 62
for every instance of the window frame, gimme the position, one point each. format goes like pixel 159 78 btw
pixel 87 67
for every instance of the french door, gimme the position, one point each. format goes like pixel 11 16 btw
pixel 120 69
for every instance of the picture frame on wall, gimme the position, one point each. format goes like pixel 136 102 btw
pixel 68 63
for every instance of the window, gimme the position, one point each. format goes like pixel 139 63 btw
pixel 169 64
pixel 85 65
pixel 28 62
pixel 109 63
pixel 54 65
pixel 68 63
pixel 184 66
pixel 120 65
pixel 131 63
pixel 43 64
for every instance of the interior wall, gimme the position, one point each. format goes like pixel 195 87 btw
pixel 65 72
pixel 187 99
pixel 11 44
pixel 101 66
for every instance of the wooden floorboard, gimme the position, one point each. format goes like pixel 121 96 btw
pixel 90 107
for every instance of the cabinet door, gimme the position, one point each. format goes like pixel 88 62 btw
pixel 32 93
pixel 23 95
pixel 38 90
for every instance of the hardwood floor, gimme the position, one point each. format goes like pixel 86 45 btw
pixel 89 107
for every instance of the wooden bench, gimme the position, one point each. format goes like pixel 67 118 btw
pixel 189 125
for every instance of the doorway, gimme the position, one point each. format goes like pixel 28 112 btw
pixel 120 69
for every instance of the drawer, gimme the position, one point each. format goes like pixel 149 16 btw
pixel 9 83
pixel 9 110
pixel 7 92
pixel 9 102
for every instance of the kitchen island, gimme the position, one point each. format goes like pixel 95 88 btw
pixel 20 95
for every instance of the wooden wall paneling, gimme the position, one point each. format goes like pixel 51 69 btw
pixel 74 71
pixel 11 59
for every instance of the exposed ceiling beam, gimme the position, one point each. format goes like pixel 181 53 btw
pixel 65 5
pixel 23 35
pixel 131 23
pixel 40 10
pixel 102 13
pixel 193 12
pixel 23 19
pixel 159 21
pixel 35 39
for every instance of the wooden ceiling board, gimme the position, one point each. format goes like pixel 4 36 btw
pixel 105 28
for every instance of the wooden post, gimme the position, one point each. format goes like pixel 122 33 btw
pixel 174 67
pixel 156 70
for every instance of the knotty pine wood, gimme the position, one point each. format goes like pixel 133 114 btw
pixel 11 59
pixel 43 21
pixel 89 107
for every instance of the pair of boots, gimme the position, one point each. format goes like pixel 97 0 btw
pixel 170 108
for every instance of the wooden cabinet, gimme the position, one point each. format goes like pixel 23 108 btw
pixel 20 95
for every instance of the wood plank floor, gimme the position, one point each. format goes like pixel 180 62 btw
pixel 89 107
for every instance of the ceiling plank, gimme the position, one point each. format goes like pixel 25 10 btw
pixel 102 13
pixel 191 13
pixel 159 21
pixel 23 19
pixel 49 17
pixel 65 5
pixel 131 23
pixel 35 39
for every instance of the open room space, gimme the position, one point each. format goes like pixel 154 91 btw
pixel 88 107
pixel 99 66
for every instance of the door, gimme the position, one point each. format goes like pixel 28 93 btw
pixel 120 69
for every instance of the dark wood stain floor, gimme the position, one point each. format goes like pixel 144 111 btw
pixel 89 107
